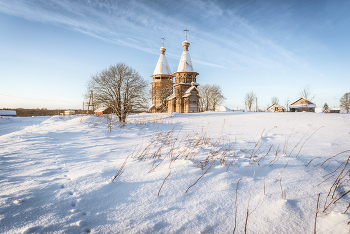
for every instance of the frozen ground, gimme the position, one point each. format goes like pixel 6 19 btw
pixel 56 173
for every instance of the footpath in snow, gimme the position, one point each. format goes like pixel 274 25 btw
pixel 179 173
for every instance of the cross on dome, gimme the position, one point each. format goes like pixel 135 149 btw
pixel 186 34
pixel 185 64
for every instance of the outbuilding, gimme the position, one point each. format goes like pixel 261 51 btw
pixel 69 112
pixel 334 110
pixel 8 113
pixel 103 110
pixel 276 108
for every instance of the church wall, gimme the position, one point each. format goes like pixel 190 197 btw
pixel 161 89
pixel 193 103
pixel 179 92
pixel 171 106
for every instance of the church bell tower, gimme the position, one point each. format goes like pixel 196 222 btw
pixel 186 96
pixel 162 83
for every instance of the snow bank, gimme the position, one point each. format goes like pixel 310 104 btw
pixel 222 109
pixel 56 174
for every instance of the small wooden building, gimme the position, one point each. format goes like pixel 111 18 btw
pixel 103 110
pixel 171 105
pixel 302 105
pixel 276 108
pixel 69 112
pixel 191 99
pixel 8 113
pixel 334 110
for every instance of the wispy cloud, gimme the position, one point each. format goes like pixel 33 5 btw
pixel 220 37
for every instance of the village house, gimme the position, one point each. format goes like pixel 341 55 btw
pixel 276 108
pixel 69 112
pixel 8 113
pixel 333 110
pixel 302 105
pixel 103 110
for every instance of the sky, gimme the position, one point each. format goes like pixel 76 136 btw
pixel 50 49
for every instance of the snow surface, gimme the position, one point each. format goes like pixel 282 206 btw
pixel 222 109
pixel 56 173
pixel 302 106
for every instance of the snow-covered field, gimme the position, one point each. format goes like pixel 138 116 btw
pixel 56 174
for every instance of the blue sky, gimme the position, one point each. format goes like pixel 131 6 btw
pixel 50 49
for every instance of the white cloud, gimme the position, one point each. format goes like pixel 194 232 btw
pixel 219 37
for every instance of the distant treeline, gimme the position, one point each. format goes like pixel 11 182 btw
pixel 42 112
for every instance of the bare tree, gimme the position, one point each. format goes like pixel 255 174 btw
pixel 275 100
pixel 162 93
pixel 307 93
pixel 287 104
pixel 249 100
pixel 211 96
pixel 216 96
pixel 345 102
pixel 121 88
pixel 204 92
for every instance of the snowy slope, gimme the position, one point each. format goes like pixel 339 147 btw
pixel 10 124
pixel 56 174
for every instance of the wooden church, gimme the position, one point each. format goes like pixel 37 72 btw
pixel 186 96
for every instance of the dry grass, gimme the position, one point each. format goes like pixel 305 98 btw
pixel 164 148
pixel 234 229
pixel 318 201
pixel 174 144
pixel 163 183
pixel 339 188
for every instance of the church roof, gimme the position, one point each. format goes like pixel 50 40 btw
pixel 149 108
pixel 172 96
pixel 188 91
pixel 162 67
pixel 185 64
